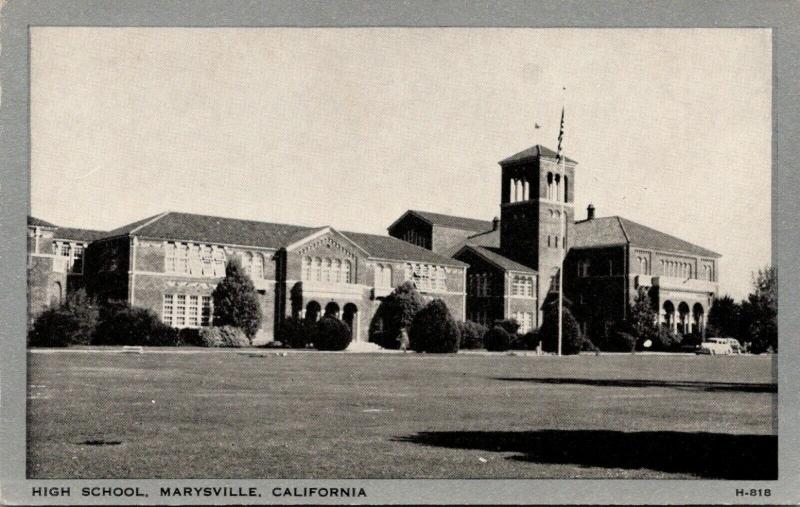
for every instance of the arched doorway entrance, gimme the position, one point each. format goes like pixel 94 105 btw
pixel 683 310
pixel 332 310
pixel 669 315
pixel 350 317
pixel 313 310
pixel 56 294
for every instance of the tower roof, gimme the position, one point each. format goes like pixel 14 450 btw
pixel 534 152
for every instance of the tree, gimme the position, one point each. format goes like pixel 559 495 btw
pixel 72 323
pixel 434 329
pixel 331 334
pixel 235 301
pixel 642 317
pixel 724 316
pixel 760 311
pixel 571 334
pixel 395 313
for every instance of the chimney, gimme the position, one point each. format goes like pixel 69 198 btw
pixel 495 223
pixel 590 212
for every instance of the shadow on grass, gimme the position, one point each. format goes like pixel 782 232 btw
pixel 686 385
pixel 706 455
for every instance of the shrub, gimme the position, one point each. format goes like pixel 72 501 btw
pixel 531 339
pixel 396 311
pixel 332 334
pixel 434 329
pixel 121 324
pixel 295 333
pixel 189 337
pixel 571 339
pixel 497 339
pixel 510 325
pixel 235 301
pixel 223 336
pixel 621 342
pixel 667 341
pixel 471 335
pixel 72 323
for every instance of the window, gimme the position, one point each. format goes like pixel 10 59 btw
pixel 179 320
pixel 182 256
pixel 522 286
pixel 207 259
pixel 346 272
pixel 64 250
pixel 219 262
pixel 247 263
pixel 583 268
pixel 426 277
pixel 643 267
pixel 336 271
pixel 205 316
pixel 610 267
pixel 316 269
pixel 186 310
pixel 77 259
pixel 383 275
pixel 524 319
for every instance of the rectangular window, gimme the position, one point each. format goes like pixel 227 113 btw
pixel 205 319
pixel 170 258
pixel 182 258
pixel 64 250
pixel 167 309
pixel 77 259
pixel 180 311
pixel 193 312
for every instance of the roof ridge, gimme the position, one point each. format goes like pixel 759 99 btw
pixel 622 227
pixel 154 219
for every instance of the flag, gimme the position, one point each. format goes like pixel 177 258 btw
pixel 560 154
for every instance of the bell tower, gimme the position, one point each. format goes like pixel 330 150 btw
pixel 535 192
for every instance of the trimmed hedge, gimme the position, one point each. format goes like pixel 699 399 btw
pixel 332 334
pixel 296 333
pixel 531 339
pixel 471 335
pixel 434 330
pixel 510 325
pixel 223 336
pixel 121 324
pixel 621 342
pixel 497 339
pixel 72 323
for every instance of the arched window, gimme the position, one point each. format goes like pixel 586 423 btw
pixel 326 269
pixel 550 186
pixel 247 263
pixel 258 266
pixel 316 269
pixel 557 194
pixel 306 271
pixel 346 272
pixel 219 262
pixel 336 273
pixel 566 189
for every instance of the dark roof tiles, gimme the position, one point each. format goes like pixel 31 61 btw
pixel 452 221
pixel 535 151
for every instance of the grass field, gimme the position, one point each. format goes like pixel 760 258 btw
pixel 312 415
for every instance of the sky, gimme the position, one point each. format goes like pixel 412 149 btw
pixel 351 127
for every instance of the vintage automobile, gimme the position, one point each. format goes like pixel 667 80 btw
pixel 716 346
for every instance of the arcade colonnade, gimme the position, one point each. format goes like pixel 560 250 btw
pixel 682 318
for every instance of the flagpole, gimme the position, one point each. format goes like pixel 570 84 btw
pixel 561 222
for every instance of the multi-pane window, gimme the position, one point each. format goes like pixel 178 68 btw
pixel 383 275
pixel 426 276
pixel 479 284
pixel 179 318
pixel 479 316
pixel 219 262
pixel 643 265
pixel 207 260
pixel 71 255
pixel 186 310
pixel 522 286
pixel 327 270
pixel 524 319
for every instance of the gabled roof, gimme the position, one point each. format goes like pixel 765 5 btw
pixel 452 221
pixel 535 151
pixel 389 248
pixel 72 233
pixel 615 230
pixel 492 255
pixel 233 231
pixel 38 222
pixel 212 229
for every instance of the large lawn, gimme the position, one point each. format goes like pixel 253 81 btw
pixel 313 415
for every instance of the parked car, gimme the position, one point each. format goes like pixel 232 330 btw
pixel 716 346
